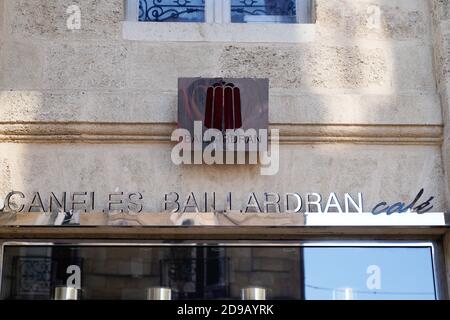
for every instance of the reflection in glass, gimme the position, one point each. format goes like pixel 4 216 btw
pixel 344 294
pixel 189 272
pixel 253 293
pixel 218 272
pixel 159 293
pixel 172 10
pixel 276 11
pixel 401 273
pixel 66 293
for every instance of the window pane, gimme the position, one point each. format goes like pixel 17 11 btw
pixel 172 10
pixel 106 272
pixel 212 272
pixel 279 11
pixel 369 273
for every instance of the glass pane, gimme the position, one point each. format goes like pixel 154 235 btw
pixel 369 273
pixel 212 272
pixel 172 10
pixel 268 11
pixel 106 272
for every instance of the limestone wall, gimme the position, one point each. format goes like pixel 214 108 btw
pixel 441 25
pixel 357 106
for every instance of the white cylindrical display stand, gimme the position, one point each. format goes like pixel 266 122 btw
pixel 253 293
pixel 66 293
pixel 159 293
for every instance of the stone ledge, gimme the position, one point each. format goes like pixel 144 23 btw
pixel 214 32
pixel 223 233
pixel 86 132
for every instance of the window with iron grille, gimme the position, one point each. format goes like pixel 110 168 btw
pixel 220 11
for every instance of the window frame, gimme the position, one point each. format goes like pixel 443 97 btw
pixel 219 11
pixel 437 252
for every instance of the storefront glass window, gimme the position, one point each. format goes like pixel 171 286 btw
pixel 216 272
pixel 369 273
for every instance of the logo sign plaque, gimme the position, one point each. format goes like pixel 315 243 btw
pixel 225 121
pixel 223 103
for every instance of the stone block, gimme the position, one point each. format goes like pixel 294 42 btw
pixel 441 9
pixel 445 57
pixel 21 65
pixel 308 67
pixel 151 107
pixel 5 176
pixel 157 67
pixel 147 106
pixel 20 105
pixel 2 18
pixel 321 67
pixel 355 108
pixel 412 69
pixel 50 19
pixel 445 100
pixel 389 20
pixel 87 65
pixel 442 57
pixel 77 105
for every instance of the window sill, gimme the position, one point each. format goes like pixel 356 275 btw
pixel 214 32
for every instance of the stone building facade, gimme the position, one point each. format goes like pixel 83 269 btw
pixel 361 97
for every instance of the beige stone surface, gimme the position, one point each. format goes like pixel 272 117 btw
pixel 157 67
pixel 86 65
pixel 441 9
pixel 388 173
pixel 441 38
pixel 355 108
pixel 298 67
pixel 398 20
pixel 2 19
pixel 215 32
pixel 380 68
pixel 373 77
pixel 21 64
pixel 148 106
pixel 47 19
pixel 442 53
pixel 382 77
pixel 106 80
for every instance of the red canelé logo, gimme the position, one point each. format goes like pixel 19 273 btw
pixel 223 107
